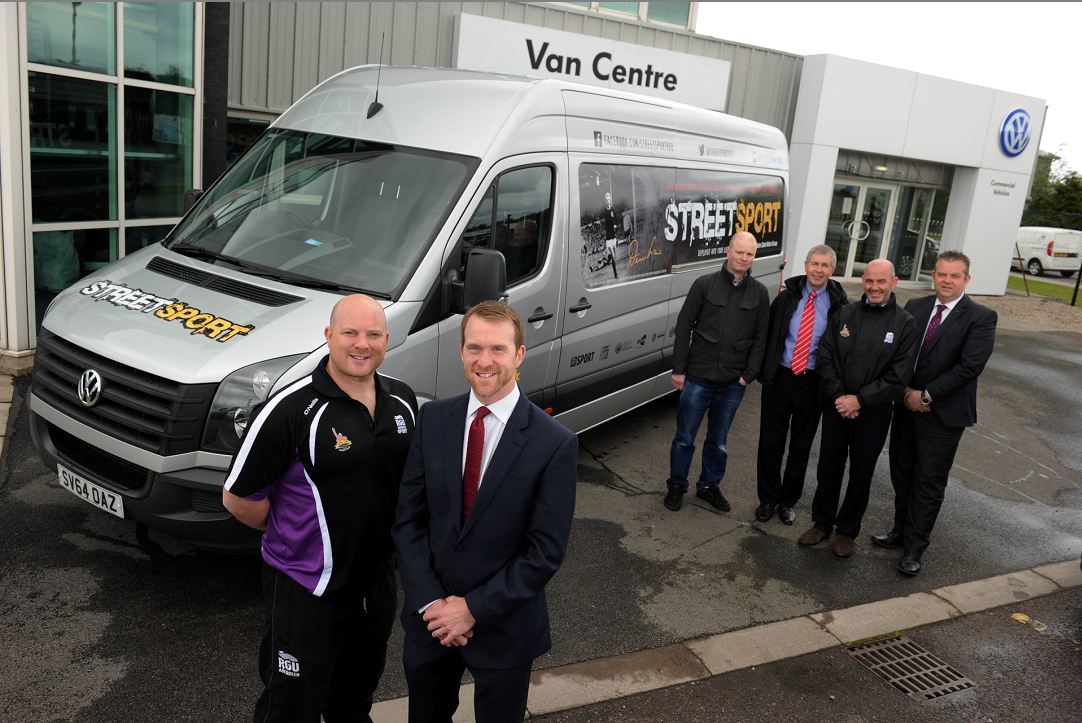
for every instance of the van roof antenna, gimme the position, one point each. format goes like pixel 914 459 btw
pixel 376 106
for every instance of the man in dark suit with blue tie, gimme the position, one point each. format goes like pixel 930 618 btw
pixel 484 515
pixel 941 401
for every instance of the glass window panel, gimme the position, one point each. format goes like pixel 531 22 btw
pixel 158 42
pixel 72 35
pixel 629 8
pixel 139 237
pixel 72 149
pixel 63 257
pixel 934 236
pixel 523 217
pixel 157 152
pixel 665 12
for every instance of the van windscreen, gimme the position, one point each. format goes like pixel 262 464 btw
pixel 323 211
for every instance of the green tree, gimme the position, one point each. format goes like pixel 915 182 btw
pixel 1055 202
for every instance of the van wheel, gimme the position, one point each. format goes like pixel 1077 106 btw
pixel 1034 267
pixel 1066 274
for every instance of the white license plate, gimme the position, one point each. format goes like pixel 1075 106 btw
pixel 100 497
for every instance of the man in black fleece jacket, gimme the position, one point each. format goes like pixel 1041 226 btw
pixel 865 361
pixel 720 338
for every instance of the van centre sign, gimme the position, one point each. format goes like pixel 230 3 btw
pixel 506 47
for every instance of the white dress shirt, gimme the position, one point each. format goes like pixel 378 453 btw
pixel 950 307
pixel 495 421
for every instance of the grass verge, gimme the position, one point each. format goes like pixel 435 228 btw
pixel 1045 289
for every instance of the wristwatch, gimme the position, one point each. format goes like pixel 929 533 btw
pixel 924 398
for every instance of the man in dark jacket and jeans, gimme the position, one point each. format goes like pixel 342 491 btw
pixel 720 338
pixel 865 361
pixel 790 400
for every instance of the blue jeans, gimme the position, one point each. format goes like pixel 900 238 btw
pixel 695 401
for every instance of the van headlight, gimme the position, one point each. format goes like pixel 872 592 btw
pixel 237 396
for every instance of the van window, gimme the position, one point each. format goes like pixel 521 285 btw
pixel 514 217
pixel 640 221
pixel 319 210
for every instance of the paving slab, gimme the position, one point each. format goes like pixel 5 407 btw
pixel 760 645
pixel 886 616
pixel 396 710
pixel 573 686
pixel 1065 574
pixel 992 592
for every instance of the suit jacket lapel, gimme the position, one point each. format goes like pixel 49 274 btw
pixel 504 456
pixel 453 439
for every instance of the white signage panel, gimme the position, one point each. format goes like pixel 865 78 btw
pixel 505 47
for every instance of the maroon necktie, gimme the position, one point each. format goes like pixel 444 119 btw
pixel 933 327
pixel 802 349
pixel 475 450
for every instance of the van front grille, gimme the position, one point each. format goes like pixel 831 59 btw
pixel 142 409
pixel 85 458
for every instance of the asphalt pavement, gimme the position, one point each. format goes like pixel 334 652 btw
pixel 104 621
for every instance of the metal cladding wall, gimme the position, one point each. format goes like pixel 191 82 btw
pixel 278 51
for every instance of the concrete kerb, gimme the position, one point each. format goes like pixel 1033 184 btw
pixel 6 390
pixel 594 681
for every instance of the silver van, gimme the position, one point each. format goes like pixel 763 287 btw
pixel 592 210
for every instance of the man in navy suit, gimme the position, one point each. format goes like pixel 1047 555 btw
pixel 958 335
pixel 484 514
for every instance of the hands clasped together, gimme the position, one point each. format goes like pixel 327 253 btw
pixel 450 621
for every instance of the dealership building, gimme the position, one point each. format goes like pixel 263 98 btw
pixel 115 110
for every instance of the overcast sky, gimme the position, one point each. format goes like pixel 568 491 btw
pixel 1033 49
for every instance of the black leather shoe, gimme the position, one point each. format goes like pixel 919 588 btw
pixel 909 565
pixel 714 497
pixel 674 500
pixel 764 513
pixel 787 515
pixel 890 541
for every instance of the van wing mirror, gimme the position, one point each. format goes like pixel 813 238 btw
pixel 486 278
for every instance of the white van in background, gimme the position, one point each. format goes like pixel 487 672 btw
pixel 591 210
pixel 1048 249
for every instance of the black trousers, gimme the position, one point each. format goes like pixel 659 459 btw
pixel 860 441
pixel 499 695
pixel 790 407
pixel 921 455
pixel 322 657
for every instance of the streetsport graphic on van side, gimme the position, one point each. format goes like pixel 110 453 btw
pixel 638 221
pixel 213 327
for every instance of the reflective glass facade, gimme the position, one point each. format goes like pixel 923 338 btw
pixel 113 102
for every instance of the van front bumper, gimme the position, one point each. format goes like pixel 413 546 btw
pixel 174 495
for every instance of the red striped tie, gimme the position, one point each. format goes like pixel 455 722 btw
pixel 802 349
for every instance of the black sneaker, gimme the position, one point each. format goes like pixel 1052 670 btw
pixel 713 495
pixel 674 500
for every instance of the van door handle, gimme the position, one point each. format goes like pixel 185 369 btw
pixel 540 316
pixel 581 306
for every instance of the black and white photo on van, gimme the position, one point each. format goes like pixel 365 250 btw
pixel 640 221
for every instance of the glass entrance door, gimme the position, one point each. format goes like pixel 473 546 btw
pixel 859 222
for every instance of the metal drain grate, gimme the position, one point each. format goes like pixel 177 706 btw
pixel 910 668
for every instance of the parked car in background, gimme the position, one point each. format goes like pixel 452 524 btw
pixel 1040 249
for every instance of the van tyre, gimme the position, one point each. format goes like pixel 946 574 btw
pixel 1067 274
pixel 1034 268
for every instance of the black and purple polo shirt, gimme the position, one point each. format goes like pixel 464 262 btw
pixel 332 475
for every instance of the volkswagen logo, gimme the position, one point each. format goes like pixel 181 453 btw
pixel 1014 135
pixel 89 387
